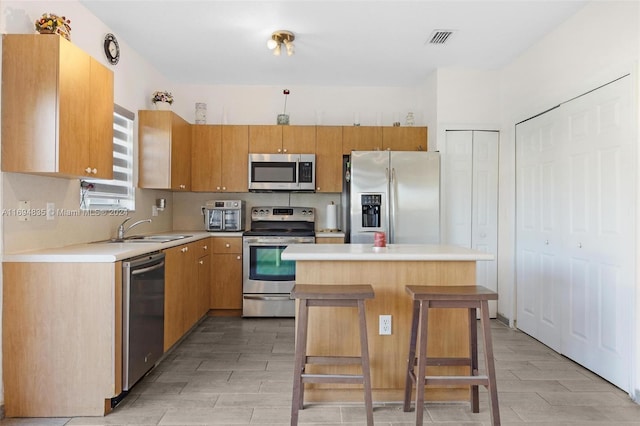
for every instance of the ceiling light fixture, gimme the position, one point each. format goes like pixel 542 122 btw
pixel 280 37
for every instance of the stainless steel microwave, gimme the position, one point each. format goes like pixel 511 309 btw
pixel 282 172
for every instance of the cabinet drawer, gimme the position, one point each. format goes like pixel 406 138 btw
pixel 226 245
pixel 203 247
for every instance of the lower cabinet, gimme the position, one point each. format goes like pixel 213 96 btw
pixel 226 277
pixel 187 276
pixel 61 338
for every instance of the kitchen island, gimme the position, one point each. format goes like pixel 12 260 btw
pixel 388 270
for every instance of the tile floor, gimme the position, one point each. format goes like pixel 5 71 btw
pixel 231 371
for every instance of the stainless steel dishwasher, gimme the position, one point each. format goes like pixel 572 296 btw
pixel 143 316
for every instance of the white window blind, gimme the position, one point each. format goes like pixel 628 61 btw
pixel 118 193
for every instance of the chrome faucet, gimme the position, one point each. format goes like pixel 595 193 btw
pixel 121 230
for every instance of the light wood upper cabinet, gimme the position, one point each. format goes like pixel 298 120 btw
pixel 264 139
pixel 235 161
pixel 219 158
pixel 361 138
pixel 206 157
pixel 298 139
pixel 328 159
pixel 404 138
pixel 57 109
pixel 164 157
pixel 267 139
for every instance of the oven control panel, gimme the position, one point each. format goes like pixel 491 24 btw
pixel 279 214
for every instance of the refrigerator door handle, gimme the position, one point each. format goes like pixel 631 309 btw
pixel 392 206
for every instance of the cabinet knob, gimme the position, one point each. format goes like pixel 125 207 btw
pixel 227 245
pixel 205 247
pixel 201 262
pixel 284 150
pixel 279 150
pixel 184 249
pixel 238 257
pixel 217 188
pixel 182 186
pixel 224 188
pixel 546 242
pixel 91 171
pixel 94 171
pixel 579 245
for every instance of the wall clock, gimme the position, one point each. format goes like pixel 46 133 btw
pixel 111 49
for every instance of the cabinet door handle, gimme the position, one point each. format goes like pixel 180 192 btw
pixel 184 249
pixel 284 150
pixel 279 150
pixel 204 247
pixel 182 186
pixel 227 245
pixel 201 262
pixel 579 245
pixel 546 242
pixel 90 171
pixel 224 188
pixel 238 257
pixel 217 188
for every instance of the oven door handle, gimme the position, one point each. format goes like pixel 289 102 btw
pixel 272 298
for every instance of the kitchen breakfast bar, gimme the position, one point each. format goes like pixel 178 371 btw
pixel 388 270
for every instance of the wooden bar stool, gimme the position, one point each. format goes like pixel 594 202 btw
pixel 330 296
pixel 472 298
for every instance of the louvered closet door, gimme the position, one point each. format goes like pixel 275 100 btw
pixel 538 233
pixel 601 231
pixel 470 198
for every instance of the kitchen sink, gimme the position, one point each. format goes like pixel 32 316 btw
pixel 149 239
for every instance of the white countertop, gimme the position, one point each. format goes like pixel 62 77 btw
pixel 393 252
pixel 106 252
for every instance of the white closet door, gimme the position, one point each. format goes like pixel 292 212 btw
pixel 470 198
pixel 538 242
pixel 457 188
pixel 600 231
pixel 484 215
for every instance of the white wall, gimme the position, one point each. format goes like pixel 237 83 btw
pixel 595 46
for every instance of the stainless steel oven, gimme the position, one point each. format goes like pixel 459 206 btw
pixel 267 279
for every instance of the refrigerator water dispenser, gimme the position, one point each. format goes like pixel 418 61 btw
pixel 371 210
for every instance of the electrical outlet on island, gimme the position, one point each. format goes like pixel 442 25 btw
pixel 384 325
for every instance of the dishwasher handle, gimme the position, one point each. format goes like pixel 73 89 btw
pixel 148 269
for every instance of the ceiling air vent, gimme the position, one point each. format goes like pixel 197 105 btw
pixel 439 36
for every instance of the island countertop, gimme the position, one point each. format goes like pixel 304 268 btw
pixel 392 252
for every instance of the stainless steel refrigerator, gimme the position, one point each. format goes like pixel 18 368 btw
pixel 396 192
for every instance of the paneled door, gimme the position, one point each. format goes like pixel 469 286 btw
pixel 538 243
pixel 575 232
pixel 470 198
pixel 600 231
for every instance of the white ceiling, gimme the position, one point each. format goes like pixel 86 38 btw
pixel 354 43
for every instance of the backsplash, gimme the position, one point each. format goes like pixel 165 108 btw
pixel 71 226
pixel 187 211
